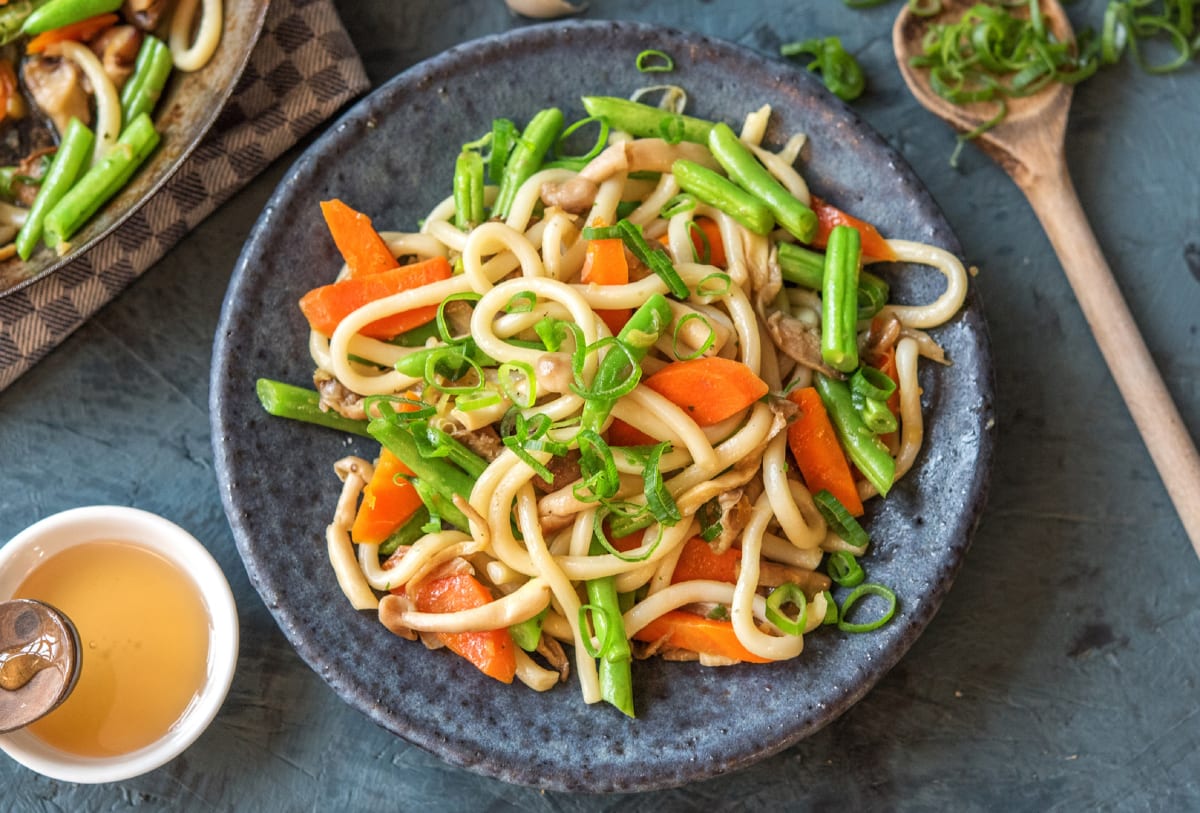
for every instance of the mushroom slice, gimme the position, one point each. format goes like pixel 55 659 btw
pixel 799 342
pixel 57 87
pixel 117 49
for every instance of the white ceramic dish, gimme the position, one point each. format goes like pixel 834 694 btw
pixel 20 555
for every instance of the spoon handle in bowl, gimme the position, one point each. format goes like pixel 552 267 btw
pixel 1053 199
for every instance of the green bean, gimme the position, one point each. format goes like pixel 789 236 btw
pixel 721 193
pixel 863 446
pixel 468 190
pixel 58 13
pixel 527 156
pixel 408 533
pixel 528 633
pixel 300 404
pixel 645 121
pixel 440 504
pixel 743 168
pixel 74 153
pixel 616 681
pixel 443 477
pixel 638 335
pixel 143 88
pixel 101 181
pixel 803 266
pixel 839 299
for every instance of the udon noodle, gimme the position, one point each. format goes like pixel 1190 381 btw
pixel 519 298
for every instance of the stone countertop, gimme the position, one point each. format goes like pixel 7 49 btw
pixel 1061 670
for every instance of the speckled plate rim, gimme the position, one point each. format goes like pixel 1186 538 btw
pixel 669 744
pixel 241 34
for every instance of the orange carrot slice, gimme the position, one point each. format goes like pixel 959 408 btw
pixel 491 651
pixel 605 264
pixel 818 453
pixel 697 561
pixel 364 251
pixel 327 306
pixel 81 31
pixel 387 502
pixel 698 634
pixel 828 216
pixel 708 389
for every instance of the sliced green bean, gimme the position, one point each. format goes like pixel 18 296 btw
pixel 144 87
pixel 644 121
pixel 101 181
pixel 527 157
pixel 468 190
pixel 744 169
pixel 721 193
pixel 839 299
pixel 301 404
pixel 57 13
pixel 805 267
pixel 74 153
pixel 863 446
pixel 444 477
pixel 638 335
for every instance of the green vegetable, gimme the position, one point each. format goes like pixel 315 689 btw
pixel 616 681
pixel 300 404
pixel 528 633
pixel 527 156
pixel 468 190
pixel 654 61
pixel 840 520
pixel 857 593
pixel 654 258
pixel 721 193
pixel 408 533
pixel 644 121
pixel 13 16
pixel 864 447
pixel 143 88
pixel 844 569
pixel 621 366
pixel 803 266
pixel 73 155
pixel 440 475
pixel 745 170
pixel 840 71
pixel 839 299
pixel 787 593
pixel 102 180
pixel 57 13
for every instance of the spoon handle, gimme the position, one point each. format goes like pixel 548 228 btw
pixel 1053 199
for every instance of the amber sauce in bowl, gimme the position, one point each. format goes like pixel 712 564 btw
pixel 157 631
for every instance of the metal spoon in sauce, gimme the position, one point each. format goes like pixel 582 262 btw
pixel 1028 145
pixel 39 661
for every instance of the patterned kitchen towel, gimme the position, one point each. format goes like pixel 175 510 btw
pixel 302 70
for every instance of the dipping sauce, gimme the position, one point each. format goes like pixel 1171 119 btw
pixel 143 634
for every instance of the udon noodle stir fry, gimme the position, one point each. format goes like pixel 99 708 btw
pixel 629 404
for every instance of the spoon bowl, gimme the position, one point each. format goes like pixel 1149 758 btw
pixel 1029 145
pixel 39 661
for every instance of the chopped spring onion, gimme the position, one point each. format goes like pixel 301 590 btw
pixel 840 71
pixel 844 569
pixel 867 589
pixel 840 520
pixel 654 61
pixel 787 593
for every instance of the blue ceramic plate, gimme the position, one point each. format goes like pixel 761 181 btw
pixel 392 156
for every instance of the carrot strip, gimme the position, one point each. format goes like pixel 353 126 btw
pixel 81 31
pixel 327 306
pixel 828 216
pixel 709 389
pixel 605 264
pixel 818 453
pixel 622 434
pixel 491 651
pixel 698 561
pixel 696 633
pixel 364 251
pixel 388 501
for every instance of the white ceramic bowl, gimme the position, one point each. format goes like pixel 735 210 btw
pixel 20 555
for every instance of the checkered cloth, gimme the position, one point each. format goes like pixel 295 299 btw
pixel 303 69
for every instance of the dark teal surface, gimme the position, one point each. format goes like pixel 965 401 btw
pixel 1061 671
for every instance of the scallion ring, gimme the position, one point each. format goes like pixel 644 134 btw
pixel 653 60
pixel 844 569
pixel 787 593
pixel 840 520
pixel 867 589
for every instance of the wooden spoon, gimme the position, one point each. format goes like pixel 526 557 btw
pixel 1028 145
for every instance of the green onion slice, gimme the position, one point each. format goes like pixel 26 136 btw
pixel 844 569
pixel 787 593
pixel 653 60
pixel 867 589
pixel 840 520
